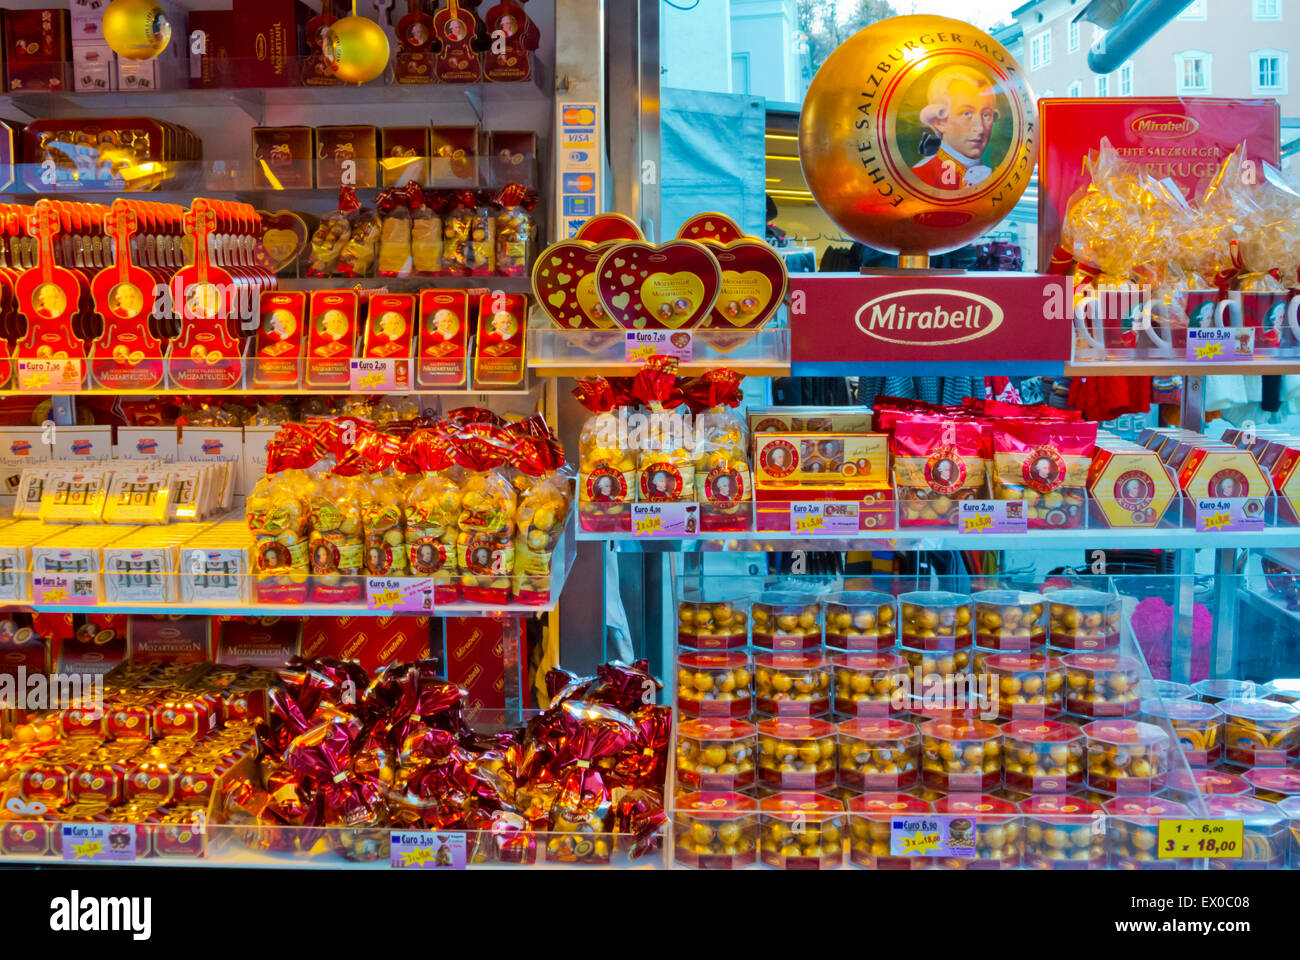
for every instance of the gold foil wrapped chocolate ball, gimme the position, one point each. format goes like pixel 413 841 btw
pixel 918 135
pixel 356 49
pixel 136 29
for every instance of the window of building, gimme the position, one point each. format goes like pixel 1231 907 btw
pixel 1076 89
pixel 1126 79
pixel 740 73
pixel 1266 9
pixel 1103 85
pixel 1268 72
pixel 1192 71
pixel 1040 50
pixel 1074 35
pixel 1194 11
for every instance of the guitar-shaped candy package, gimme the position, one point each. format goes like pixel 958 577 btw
pixel 126 356
pixel 205 357
pixel 51 357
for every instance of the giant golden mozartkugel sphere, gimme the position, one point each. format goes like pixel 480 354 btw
pixel 918 134
pixel 136 29
pixel 356 49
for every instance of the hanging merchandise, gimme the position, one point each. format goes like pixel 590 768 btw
pixel 136 29
pixel 355 48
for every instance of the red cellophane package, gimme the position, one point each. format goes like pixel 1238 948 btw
pixel 1045 463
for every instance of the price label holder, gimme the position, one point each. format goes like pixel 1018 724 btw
pixel 366 374
pixel 426 850
pixel 824 519
pixel 1198 839
pixel 665 520
pixel 932 836
pixel 1220 344
pixel 992 516
pixel 1229 514
pixel 399 594
pixel 49 376
pixel 641 345
pixel 61 589
pixel 99 842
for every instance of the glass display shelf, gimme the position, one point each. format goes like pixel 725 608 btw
pixel 476 98
pixel 202 844
pixel 1082 539
pixel 1271 523
pixel 196 578
pixel 245 376
pixel 581 353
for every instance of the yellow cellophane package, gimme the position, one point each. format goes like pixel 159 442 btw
pixel 336 547
pixel 544 505
pixel 485 543
pixel 383 517
pixel 722 479
pixel 278 519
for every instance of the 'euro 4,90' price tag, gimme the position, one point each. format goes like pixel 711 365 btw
pixel 1229 514
pixel 659 520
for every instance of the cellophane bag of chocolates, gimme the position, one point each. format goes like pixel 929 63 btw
pixel 432 508
pixel 383 515
pixel 485 544
pixel 722 478
pixel 666 454
pixel 607 455
pixel 332 235
pixel 335 501
pixel 1045 463
pixel 277 514
pixel 544 486
pixel 426 234
pixel 516 230
pixel 458 228
pixel 395 222
pixel 937 464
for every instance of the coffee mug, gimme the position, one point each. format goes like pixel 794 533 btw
pixel 1111 331
pixel 1260 309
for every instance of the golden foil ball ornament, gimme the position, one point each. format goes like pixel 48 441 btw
pixel 356 49
pixel 136 29
pixel 918 134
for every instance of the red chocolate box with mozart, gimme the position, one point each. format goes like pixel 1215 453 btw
pixel 1184 139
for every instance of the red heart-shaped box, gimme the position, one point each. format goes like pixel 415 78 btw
pixel 754 282
pixel 717 227
pixel 667 287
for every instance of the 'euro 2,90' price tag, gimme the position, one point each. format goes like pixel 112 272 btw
pixel 992 516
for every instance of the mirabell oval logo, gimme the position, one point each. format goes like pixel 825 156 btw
pixel 1165 126
pixel 929 317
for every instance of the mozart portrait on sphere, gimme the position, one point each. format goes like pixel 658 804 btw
pixel 960 114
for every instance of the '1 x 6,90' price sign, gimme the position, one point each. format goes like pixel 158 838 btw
pixel 1198 839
